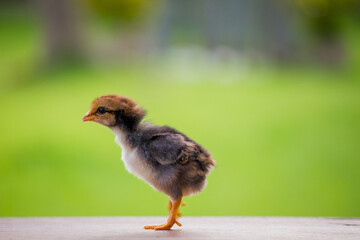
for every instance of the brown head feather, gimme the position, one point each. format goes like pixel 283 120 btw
pixel 119 110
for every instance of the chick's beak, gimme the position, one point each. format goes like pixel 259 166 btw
pixel 88 117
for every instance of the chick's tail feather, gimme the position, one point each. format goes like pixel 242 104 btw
pixel 206 162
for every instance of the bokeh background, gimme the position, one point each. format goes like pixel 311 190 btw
pixel 270 87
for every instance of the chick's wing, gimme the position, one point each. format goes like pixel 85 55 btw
pixel 166 148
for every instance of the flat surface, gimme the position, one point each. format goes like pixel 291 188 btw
pixel 193 228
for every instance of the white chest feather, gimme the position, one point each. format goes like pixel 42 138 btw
pixel 132 161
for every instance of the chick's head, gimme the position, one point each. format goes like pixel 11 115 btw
pixel 111 110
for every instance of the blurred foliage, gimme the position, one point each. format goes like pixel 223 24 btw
pixel 120 10
pixel 324 16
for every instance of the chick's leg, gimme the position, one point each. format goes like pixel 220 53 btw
pixel 178 214
pixel 183 204
pixel 171 219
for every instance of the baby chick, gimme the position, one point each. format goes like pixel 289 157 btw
pixel 165 158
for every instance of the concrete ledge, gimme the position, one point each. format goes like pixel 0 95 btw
pixel 96 228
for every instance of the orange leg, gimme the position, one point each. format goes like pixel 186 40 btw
pixel 178 214
pixel 171 219
pixel 183 204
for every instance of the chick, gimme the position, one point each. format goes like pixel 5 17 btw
pixel 163 157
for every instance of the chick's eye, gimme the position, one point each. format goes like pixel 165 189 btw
pixel 101 110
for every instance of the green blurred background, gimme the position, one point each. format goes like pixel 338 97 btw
pixel 271 88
